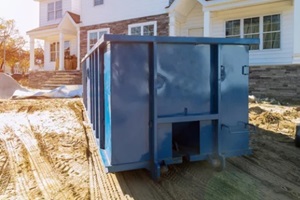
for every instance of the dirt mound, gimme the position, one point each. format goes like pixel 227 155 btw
pixel 275 118
pixel 256 110
pixel 271 118
pixel 44 151
pixel 8 86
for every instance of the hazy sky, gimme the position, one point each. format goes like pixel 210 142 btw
pixel 24 12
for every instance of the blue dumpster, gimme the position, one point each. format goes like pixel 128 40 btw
pixel 155 101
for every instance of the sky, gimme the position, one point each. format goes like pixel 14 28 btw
pixel 24 12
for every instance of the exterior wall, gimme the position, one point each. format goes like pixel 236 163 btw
pixel 194 20
pixel 261 57
pixel 75 6
pixel 279 82
pixel 121 27
pixel 116 10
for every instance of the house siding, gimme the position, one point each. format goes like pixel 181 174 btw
pixel 261 57
pixel 75 6
pixel 121 27
pixel 115 10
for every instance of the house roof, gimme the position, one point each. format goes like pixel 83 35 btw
pixel 73 16
pixel 42 28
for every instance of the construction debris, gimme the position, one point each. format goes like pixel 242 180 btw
pixel 8 86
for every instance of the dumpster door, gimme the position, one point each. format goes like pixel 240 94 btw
pixel 234 136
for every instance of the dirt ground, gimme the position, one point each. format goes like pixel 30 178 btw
pixel 47 151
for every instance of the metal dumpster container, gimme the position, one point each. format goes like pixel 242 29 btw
pixel 154 101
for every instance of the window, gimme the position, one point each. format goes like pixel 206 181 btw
pixel 54 10
pixel 233 29
pixel 58 9
pixel 95 35
pixel 251 30
pixel 98 2
pixel 148 28
pixel 266 28
pixel 54 51
pixel 50 11
pixel 271 32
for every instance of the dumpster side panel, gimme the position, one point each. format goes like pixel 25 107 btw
pixel 130 102
pixel 183 79
pixel 234 99
pixel 107 103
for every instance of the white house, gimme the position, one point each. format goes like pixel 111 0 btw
pixel 59 28
pixel 72 27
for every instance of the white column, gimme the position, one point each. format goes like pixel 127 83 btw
pixel 206 31
pixel 31 67
pixel 61 51
pixel 172 24
pixel 296 56
pixel 78 49
pixel 47 56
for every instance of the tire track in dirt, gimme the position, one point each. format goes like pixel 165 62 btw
pixel 19 175
pixel 4 167
pixel 53 150
pixel 64 145
pixel 42 170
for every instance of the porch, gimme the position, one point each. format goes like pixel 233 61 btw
pixel 60 41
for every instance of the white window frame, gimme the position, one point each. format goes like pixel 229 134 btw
pixel 98 3
pixel 261 31
pixel 54 11
pixel 97 31
pixel 142 27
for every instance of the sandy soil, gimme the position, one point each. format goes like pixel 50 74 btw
pixel 47 151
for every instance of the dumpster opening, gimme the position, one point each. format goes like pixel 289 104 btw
pixel 186 138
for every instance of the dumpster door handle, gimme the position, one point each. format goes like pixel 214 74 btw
pixel 245 70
